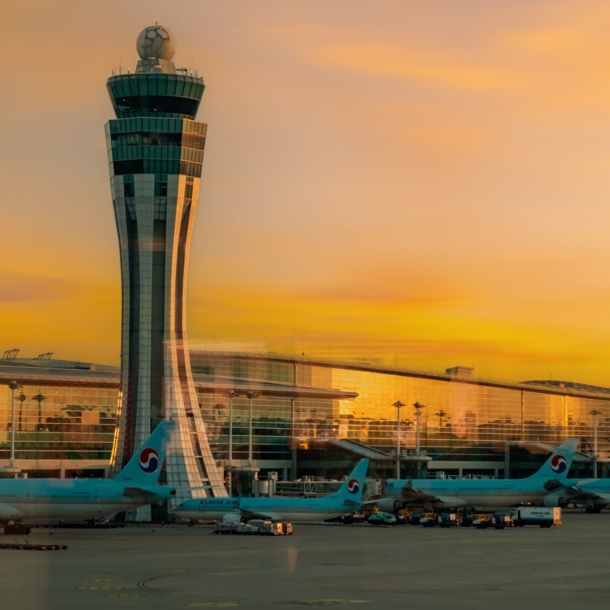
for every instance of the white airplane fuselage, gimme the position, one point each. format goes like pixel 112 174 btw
pixel 279 509
pixel 35 499
pixel 474 492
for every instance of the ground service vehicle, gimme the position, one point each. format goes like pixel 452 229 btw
pixel 429 519
pixel 501 521
pixel 265 528
pixel 287 528
pixel 481 521
pixel 448 520
pixel 382 519
pixel 498 521
pixel 536 515
pixel 466 520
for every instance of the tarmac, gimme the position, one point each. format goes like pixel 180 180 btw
pixel 180 567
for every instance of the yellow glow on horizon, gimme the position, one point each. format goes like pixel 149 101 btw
pixel 420 187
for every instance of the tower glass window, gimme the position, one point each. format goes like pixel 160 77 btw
pixel 128 185
pixel 161 185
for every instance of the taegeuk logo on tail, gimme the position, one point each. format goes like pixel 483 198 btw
pixel 353 486
pixel 149 460
pixel 559 464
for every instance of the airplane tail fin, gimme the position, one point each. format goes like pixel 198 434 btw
pixel 558 465
pixel 145 465
pixel 353 486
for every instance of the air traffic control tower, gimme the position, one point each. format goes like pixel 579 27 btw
pixel 155 156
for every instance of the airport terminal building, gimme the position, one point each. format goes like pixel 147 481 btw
pixel 311 418
pixel 295 416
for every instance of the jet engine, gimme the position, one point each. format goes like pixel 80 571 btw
pixel 231 518
pixel 390 505
pixel 8 513
pixel 555 500
pixel 449 502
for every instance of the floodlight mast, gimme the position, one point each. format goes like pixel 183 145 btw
pixel 398 404
pixel 13 385
pixel 231 395
pixel 418 407
pixel 251 396
pixel 595 413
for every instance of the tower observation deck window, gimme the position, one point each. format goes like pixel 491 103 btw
pixel 128 185
pixel 161 185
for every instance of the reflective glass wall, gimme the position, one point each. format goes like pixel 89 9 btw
pixel 459 421
pixel 59 423
pixel 458 415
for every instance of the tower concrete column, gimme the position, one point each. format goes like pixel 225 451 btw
pixel 155 156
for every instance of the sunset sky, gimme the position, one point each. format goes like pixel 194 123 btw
pixel 425 183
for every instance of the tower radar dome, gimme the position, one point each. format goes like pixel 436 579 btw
pixel 155 42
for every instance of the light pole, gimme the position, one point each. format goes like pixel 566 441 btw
pixel 251 396
pixel 595 413
pixel 13 385
pixel 418 408
pixel 231 394
pixel 398 404
pixel 21 399
pixel 293 473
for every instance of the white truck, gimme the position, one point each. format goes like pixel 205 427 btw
pixel 536 515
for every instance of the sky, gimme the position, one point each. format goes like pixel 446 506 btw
pixel 420 184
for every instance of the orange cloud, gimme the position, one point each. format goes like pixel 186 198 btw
pixel 427 67
pixel 551 42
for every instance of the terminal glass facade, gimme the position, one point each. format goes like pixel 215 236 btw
pixel 463 420
pixel 59 423
pixel 316 416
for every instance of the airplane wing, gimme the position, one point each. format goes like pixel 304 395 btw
pixel 409 494
pixel 575 493
pixel 251 514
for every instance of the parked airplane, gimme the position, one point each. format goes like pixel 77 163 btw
pixel 594 493
pixel 346 500
pixel 136 485
pixel 455 493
